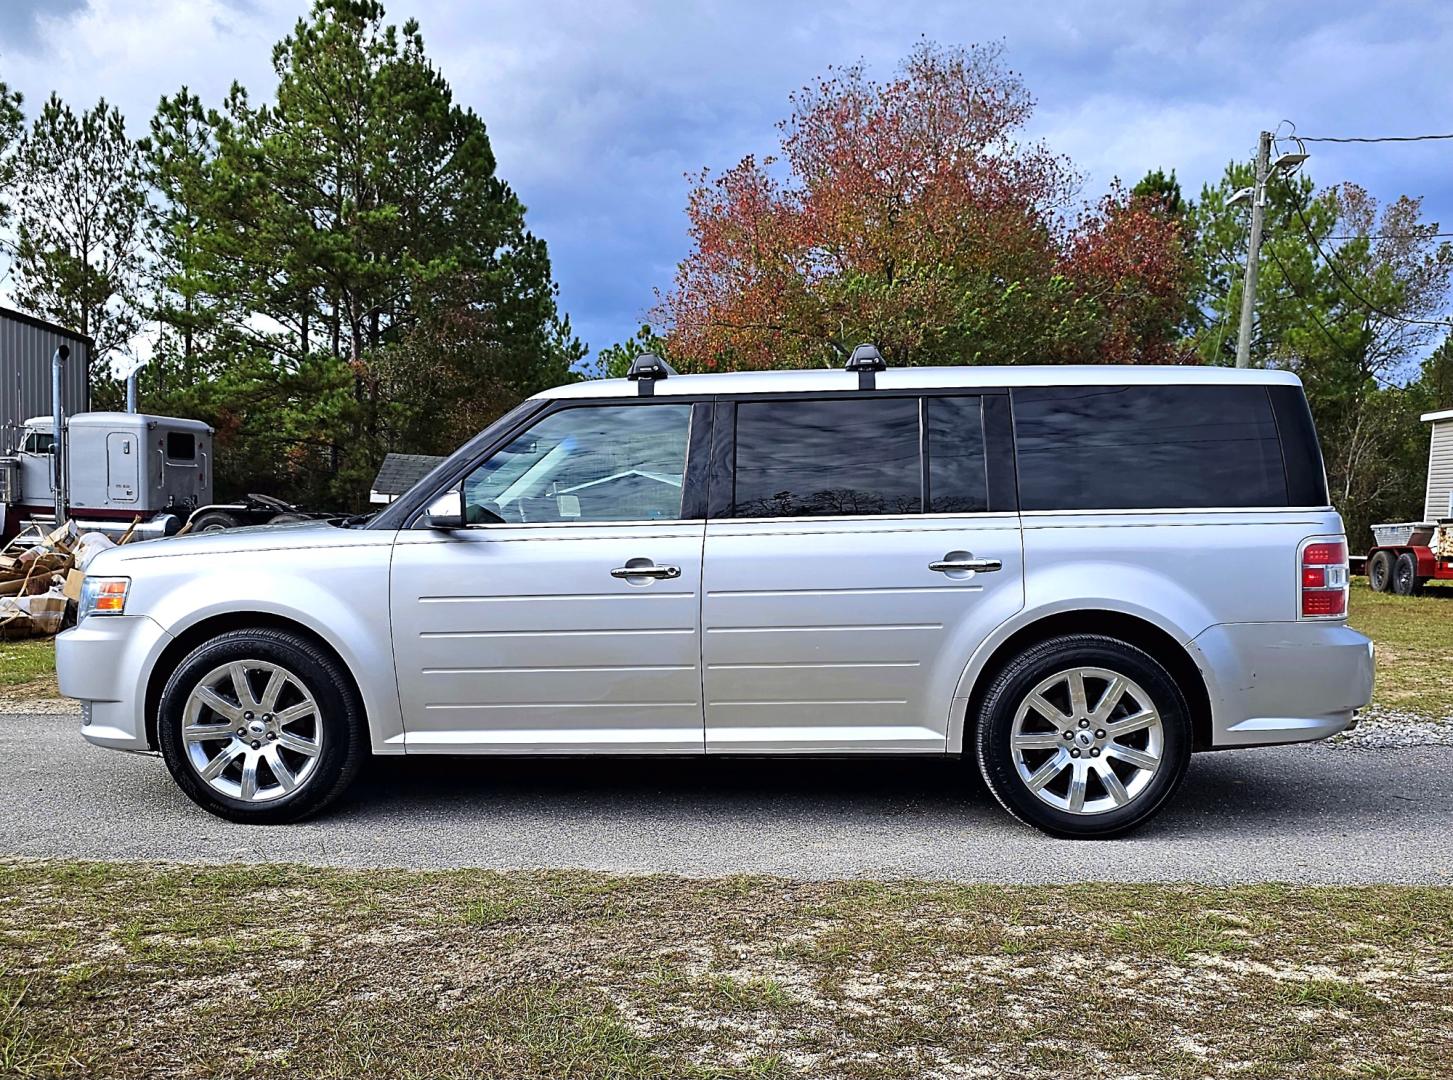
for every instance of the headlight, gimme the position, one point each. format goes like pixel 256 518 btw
pixel 103 596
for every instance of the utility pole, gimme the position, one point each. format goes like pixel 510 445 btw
pixel 1285 164
pixel 1253 249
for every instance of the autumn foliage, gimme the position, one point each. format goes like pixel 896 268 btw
pixel 910 213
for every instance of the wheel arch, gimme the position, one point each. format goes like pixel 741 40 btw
pixel 208 628
pixel 1132 629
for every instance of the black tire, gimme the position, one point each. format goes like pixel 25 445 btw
pixel 1405 580
pixel 1379 571
pixel 1010 689
pixel 340 720
pixel 286 518
pixel 213 521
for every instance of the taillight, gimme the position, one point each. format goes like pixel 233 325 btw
pixel 1323 582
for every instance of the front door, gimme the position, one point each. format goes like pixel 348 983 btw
pixel 565 617
pixel 867 549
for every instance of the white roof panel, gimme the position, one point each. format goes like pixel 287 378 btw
pixel 931 378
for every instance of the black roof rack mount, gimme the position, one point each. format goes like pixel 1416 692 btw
pixel 646 369
pixel 867 361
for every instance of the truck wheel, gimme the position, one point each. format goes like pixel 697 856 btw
pixel 1083 736
pixel 261 726
pixel 1405 580
pixel 213 521
pixel 1379 571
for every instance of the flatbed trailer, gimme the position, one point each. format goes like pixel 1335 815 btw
pixel 1408 555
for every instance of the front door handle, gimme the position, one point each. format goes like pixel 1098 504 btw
pixel 650 570
pixel 984 566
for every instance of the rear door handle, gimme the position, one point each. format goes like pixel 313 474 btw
pixel 649 570
pixel 944 566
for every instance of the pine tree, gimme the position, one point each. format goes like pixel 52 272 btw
pixel 191 321
pixel 79 207
pixel 360 215
pixel 12 122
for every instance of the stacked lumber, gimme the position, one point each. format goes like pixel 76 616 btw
pixel 40 577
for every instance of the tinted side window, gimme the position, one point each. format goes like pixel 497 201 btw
pixel 1147 447
pixel 181 446
pixel 813 458
pixel 957 482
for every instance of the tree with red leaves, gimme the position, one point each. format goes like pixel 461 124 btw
pixel 910 214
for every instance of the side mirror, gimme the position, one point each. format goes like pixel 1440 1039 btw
pixel 446 511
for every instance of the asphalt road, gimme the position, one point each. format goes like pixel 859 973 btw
pixel 1302 814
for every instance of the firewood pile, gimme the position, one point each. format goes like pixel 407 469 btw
pixel 40 578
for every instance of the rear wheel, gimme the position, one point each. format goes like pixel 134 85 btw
pixel 1083 736
pixel 1405 580
pixel 261 726
pixel 213 521
pixel 1379 571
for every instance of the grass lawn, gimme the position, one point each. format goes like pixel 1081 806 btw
pixel 139 971
pixel 1414 636
pixel 27 668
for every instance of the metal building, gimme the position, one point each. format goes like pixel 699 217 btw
pixel 26 347
pixel 1439 501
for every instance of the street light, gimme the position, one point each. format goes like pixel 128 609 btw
pixel 1284 163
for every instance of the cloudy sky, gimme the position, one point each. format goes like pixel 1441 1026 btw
pixel 596 110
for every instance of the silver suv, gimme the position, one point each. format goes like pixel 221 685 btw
pixel 1073 577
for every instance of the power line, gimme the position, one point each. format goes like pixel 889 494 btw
pixel 1337 272
pixel 1390 236
pixel 1373 139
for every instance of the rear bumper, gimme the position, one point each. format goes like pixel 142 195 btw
pixel 103 663
pixel 1283 682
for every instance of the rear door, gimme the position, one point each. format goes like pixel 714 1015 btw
pixel 860 548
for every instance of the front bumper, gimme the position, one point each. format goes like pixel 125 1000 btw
pixel 104 663
pixel 1283 682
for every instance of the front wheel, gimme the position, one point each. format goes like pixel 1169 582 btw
pixel 261 726
pixel 1083 736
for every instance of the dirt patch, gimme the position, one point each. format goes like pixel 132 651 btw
pixel 142 971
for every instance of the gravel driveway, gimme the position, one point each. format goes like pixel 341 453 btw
pixel 1305 814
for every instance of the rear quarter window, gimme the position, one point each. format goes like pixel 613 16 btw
pixel 1150 447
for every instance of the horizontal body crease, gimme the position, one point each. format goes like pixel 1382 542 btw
pixel 557 597
pixel 612 632
pixel 863 627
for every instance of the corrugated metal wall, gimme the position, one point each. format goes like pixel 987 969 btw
pixel 1440 471
pixel 26 346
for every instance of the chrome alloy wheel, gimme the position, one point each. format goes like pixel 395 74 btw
pixel 1087 740
pixel 252 731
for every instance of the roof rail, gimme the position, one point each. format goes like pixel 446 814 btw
pixel 646 369
pixel 867 361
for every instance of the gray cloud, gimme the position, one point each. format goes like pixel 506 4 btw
pixel 20 29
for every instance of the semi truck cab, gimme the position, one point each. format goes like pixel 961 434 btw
pixel 119 466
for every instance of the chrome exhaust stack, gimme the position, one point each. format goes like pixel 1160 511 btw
pixel 58 431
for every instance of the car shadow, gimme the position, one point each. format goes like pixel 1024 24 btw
pixel 1281 788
